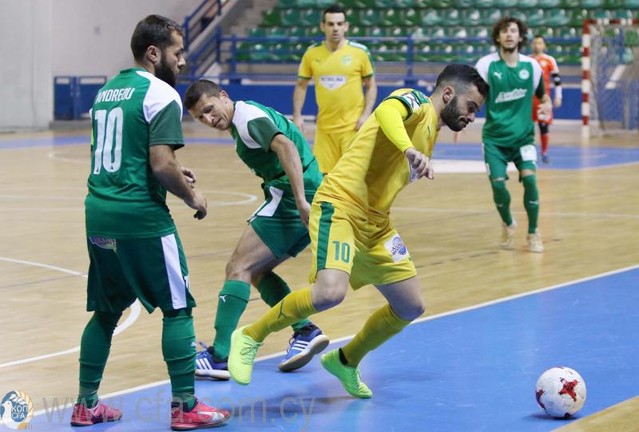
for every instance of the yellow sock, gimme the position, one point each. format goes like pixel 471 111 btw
pixel 380 327
pixel 294 307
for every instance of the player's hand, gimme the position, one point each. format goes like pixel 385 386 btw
pixel 299 122
pixel 557 103
pixel 420 164
pixel 545 110
pixel 189 176
pixel 305 210
pixel 198 203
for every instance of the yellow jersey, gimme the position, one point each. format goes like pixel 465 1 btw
pixel 374 169
pixel 338 83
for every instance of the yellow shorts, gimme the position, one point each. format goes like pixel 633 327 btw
pixel 329 147
pixel 371 252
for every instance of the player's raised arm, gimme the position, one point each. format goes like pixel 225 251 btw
pixel 167 170
pixel 390 115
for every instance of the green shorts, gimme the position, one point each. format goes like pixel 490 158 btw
pixel 497 158
pixel 152 270
pixel 277 223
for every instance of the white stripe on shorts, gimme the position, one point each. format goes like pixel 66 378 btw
pixel 177 282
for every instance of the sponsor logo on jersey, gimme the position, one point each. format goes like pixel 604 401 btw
pixel 16 410
pixel 511 95
pixel 332 82
pixel 347 60
pixel 524 74
pixel 396 247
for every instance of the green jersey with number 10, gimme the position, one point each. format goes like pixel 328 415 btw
pixel 510 99
pixel 133 111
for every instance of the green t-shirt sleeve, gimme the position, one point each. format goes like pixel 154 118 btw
pixel 262 130
pixel 166 126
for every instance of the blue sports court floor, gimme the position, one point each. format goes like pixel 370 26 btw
pixel 469 370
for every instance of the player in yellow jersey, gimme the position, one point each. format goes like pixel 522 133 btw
pixel 352 238
pixel 339 67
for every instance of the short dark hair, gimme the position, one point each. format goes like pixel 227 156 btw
pixel 539 36
pixel 153 30
pixel 460 77
pixel 334 8
pixel 505 22
pixel 199 88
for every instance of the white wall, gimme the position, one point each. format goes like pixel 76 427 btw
pixel 26 84
pixel 91 37
pixel 40 39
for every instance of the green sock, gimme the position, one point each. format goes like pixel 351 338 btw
pixel 94 352
pixel 531 201
pixel 501 197
pixel 231 304
pixel 178 348
pixel 273 289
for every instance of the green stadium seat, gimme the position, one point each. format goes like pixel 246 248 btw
pixel 527 4
pixel 463 4
pixel 286 4
pixel 472 17
pixel 296 31
pixel 546 4
pixel 613 4
pixel 591 4
pixel 490 16
pixel 356 31
pixel 411 17
pixel 569 4
pixel 532 18
pixel 599 13
pixel 369 17
pixel 577 17
pixel 431 18
pixel 362 4
pixel 483 4
pixel 384 4
pixel 272 18
pixel 631 4
pixel 557 17
pixel 290 17
pixel 622 13
pixel 505 4
pixel 450 17
pixel 390 17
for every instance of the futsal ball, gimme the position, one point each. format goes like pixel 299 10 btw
pixel 561 392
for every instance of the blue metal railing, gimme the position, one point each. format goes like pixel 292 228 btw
pixel 196 22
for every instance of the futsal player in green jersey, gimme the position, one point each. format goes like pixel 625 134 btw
pixel 509 132
pixel 134 248
pixel 276 151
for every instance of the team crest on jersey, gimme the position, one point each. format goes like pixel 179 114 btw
pixel 524 74
pixel 396 247
pixel 347 60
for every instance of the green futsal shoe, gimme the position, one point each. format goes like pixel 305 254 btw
pixel 242 356
pixel 348 376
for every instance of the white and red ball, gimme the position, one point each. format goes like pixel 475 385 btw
pixel 561 392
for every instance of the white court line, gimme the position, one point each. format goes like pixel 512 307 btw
pixel 128 322
pixel 478 211
pixel 419 320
